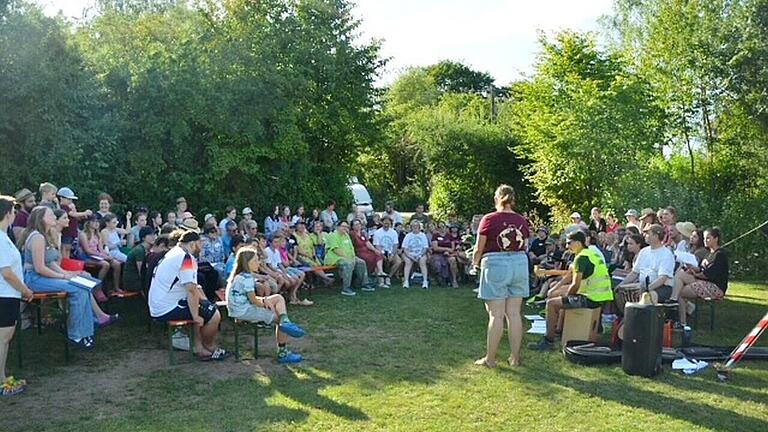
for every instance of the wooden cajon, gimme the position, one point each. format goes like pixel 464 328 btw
pixel 580 324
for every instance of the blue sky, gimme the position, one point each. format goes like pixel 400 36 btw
pixel 495 36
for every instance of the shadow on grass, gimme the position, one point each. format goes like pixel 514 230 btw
pixel 700 414
pixel 307 392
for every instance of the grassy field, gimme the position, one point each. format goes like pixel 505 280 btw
pixel 390 360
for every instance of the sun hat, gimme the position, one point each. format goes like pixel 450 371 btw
pixel 647 212
pixel 190 224
pixel 67 193
pixel 23 195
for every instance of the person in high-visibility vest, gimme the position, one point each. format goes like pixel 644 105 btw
pixel 590 287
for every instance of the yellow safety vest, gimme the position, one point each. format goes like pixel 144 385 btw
pixel 597 287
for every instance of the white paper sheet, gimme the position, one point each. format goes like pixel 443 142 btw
pixel 533 317
pixel 538 327
pixel 686 258
pixel 77 280
pixel 689 366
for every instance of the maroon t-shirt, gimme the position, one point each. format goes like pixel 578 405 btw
pixel 505 232
pixel 21 219
pixel 71 230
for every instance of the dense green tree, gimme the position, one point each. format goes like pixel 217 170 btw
pixel 584 121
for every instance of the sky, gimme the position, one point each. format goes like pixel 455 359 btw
pixel 494 36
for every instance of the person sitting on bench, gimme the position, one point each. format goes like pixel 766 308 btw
pixel 174 294
pixel 244 304
pixel 590 287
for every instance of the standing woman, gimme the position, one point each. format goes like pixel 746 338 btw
pixel 12 291
pixel 500 254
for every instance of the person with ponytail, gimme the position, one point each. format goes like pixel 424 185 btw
pixel 501 258
pixel 244 304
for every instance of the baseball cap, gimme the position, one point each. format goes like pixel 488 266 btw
pixel 180 200
pixel 247 210
pixel 207 217
pixel 575 215
pixel 631 212
pixel 67 193
pixel 647 212
pixel 543 228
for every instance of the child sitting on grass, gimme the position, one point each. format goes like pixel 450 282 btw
pixel 243 304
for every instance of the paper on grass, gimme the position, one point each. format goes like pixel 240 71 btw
pixel 686 258
pixel 533 317
pixel 81 281
pixel 689 366
pixel 538 327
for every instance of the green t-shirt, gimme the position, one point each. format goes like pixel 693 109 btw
pixel 584 266
pixel 335 240
pixel 131 276
pixel 306 245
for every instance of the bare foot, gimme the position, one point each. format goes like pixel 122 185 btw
pixel 484 362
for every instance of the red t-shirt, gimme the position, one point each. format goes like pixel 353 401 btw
pixel 505 232
pixel 71 230
pixel 21 219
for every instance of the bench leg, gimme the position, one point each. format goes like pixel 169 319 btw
pixel 171 355
pixel 237 341
pixel 192 341
pixel 255 341
pixel 39 318
pixel 65 312
pixel 711 317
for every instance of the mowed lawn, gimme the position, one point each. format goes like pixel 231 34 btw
pixel 391 360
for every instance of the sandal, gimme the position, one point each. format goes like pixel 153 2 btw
pixel 484 362
pixel 304 302
pixel 111 319
pixel 12 386
pixel 220 354
pixel 86 343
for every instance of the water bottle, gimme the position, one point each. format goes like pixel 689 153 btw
pixel 607 322
pixel 687 333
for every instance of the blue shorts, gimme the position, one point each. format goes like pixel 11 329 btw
pixel 206 310
pixel 503 275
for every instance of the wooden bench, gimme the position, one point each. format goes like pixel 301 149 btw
pixel 712 303
pixel 39 302
pixel 236 323
pixel 311 279
pixel 143 304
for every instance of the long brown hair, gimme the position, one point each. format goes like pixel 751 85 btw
pixel 243 257
pixel 36 223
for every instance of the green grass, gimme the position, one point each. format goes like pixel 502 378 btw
pixel 392 360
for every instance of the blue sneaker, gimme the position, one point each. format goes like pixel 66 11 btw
pixel 348 292
pixel 291 329
pixel 290 357
pixel 368 288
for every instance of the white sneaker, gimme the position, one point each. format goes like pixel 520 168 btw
pixel 387 282
pixel 406 285
pixel 425 285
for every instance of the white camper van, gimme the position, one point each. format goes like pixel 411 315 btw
pixel 361 196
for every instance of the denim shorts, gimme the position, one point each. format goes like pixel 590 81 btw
pixel 503 275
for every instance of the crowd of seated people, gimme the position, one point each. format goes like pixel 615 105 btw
pixel 675 261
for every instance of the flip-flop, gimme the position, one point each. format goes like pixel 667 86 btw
pixel 220 354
